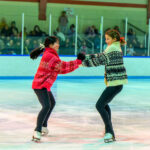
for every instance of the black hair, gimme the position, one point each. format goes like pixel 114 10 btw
pixel 38 51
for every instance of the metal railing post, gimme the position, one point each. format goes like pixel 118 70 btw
pixel 101 32
pixel 76 36
pixel 50 25
pixel 126 31
pixel 22 37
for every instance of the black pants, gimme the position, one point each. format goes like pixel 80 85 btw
pixel 103 107
pixel 47 101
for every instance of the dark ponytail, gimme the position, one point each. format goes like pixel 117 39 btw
pixel 38 51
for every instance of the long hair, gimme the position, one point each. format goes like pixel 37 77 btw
pixel 38 51
pixel 115 34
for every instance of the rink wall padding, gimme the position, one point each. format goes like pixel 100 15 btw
pixel 22 67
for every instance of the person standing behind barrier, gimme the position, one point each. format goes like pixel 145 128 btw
pixel 63 22
pixel 115 77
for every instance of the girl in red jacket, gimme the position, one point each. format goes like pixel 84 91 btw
pixel 50 66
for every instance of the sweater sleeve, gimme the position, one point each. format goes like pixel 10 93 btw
pixel 62 67
pixel 95 60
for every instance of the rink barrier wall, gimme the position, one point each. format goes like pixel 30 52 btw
pixel 66 77
pixel 22 67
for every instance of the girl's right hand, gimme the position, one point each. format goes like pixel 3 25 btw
pixel 81 65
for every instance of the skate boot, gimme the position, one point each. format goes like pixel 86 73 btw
pixel 36 136
pixel 109 138
pixel 44 131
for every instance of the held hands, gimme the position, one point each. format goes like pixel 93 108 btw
pixel 81 65
pixel 81 56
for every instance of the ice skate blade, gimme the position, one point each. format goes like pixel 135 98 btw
pixel 109 140
pixel 44 134
pixel 36 140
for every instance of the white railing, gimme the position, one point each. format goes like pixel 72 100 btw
pixel 146 37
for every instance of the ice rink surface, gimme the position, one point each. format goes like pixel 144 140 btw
pixel 75 123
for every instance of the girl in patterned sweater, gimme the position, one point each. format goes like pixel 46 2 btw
pixel 115 77
pixel 50 66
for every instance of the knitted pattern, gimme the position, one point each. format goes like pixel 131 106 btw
pixel 50 66
pixel 112 58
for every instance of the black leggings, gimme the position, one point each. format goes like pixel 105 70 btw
pixel 47 101
pixel 103 107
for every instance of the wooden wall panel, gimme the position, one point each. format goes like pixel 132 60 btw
pixel 148 11
pixel 42 9
pixel 87 3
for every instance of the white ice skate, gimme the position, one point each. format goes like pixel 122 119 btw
pixel 45 131
pixel 109 138
pixel 36 136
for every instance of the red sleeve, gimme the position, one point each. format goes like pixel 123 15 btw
pixel 62 67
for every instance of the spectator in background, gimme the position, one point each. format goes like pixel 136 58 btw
pixel 35 44
pixel 60 35
pixel 28 46
pixel 71 31
pixel 89 32
pixel 13 30
pixel 141 50
pixel 36 31
pixel 68 48
pixel 130 34
pixel 130 31
pixel 95 30
pixel 117 28
pixel 5 31
pixel 130 50
pixel 96 38
pixel 18 47
pixel 84 47
pixel 135 42
pixel 97 42
pixel 63 22
pixel 39 41
pixel 11 48
pixel 93 36
pixel 71 34
pixel 2 23
pixel 67 44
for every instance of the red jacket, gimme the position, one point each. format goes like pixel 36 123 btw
pixel 50 66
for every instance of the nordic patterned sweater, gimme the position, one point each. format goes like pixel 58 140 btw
pixel 112 58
